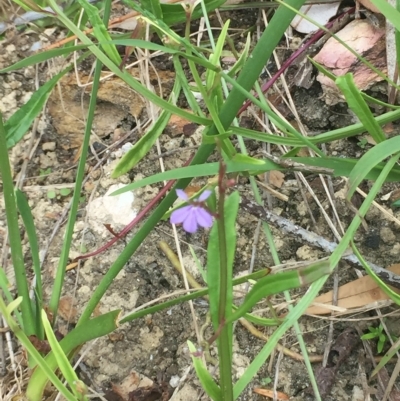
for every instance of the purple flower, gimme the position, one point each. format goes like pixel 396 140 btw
pixel 193 215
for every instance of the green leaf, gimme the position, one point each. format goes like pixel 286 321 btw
pixel 358 105
pixel 394 296
pixel 62 361
pixel 144 144
pixel 322 69
pixel 200 170
pixel 215 57
pixel 387 357
pixel 153 6
pixel 368 336
pixel 242 59
pixel 206 380
pixel 13 305
pixel 5 285
pixel 51 194
pixel 242 158
pixel 139 43
pixel 231 207
pixel 370 160
pixel 42 56
pixel 91 329
pixel 101 32
pixel 342 167
pixel 19 123
pixel 33 353
pixel 65 191
pixel 26 214
pixel 280 282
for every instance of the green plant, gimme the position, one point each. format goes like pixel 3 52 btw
pixel 220 127
pixel 362 143
pixel 44 172
pixel 377 333
pixel 62 192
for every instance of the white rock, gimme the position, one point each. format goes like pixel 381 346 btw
pixel 174 382
pixel 320 13
pixel 117 211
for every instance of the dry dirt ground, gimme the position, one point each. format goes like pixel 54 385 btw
pixel 155 347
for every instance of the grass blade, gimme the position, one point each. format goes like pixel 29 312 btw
pixel 344 167
pixel 27 217
pixel 144 144
pixel 19 123
pixel 94 328
pixel 33 353
pixel 62 360
pixel 101 32
pixel 200 171
pixel 280 282
pixel 370 160
pixel 17 256
pixel 214 270
pixel 394 296
pixel 358 105
pixel 204 375
pixel 40 57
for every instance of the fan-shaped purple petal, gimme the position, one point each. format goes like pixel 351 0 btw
pixel 204 218
pixel 204 195
pixel 182 194
pixel 180 215
pixel 190 223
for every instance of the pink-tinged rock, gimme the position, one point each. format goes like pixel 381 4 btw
pixel 365 39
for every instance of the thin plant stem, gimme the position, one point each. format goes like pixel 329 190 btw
pixel 17 256
pixel 224 351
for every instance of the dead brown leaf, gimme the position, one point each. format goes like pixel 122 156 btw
pixel 276 178
pixel 270 393
pixel 67 309
pixel 356 294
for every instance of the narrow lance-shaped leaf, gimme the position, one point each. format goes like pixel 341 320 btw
pixel 204 375
pixel 369 160
pixel 213 258
pixel 358 105
pixel 91 329
pixel 201 170
pixel 144 144
pixel 276 283
pixel 19 123
pixel 42 56
pixel 62 361
pixel 101 31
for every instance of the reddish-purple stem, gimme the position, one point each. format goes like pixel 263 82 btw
pixel 265 87
pixel 132 224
